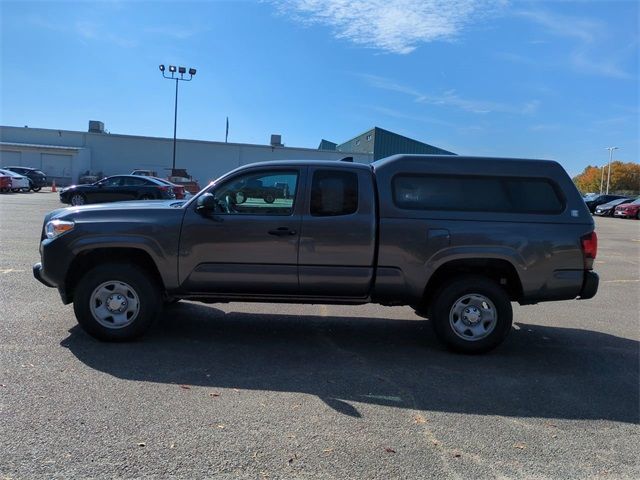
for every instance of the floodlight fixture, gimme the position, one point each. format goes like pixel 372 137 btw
pixel 182 70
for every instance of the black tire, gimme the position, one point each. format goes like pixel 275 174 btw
pixel 82 200
pixel 15 190
pixel 36 189
pixel 269 198
pixel 145 289
pixel 147 197
pixel 452 294
pixel 638 215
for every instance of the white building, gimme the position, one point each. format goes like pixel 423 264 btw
pixel 66 155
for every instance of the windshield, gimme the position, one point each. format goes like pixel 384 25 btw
pixel 619 201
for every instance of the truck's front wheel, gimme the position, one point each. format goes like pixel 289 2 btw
pixel 116 302
pixel 471 314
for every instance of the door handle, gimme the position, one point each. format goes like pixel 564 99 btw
pixel 281 232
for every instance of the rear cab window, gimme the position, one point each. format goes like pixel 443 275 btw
pixel 333 193
pixel 527 195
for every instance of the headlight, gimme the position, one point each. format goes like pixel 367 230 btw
pixel 55 228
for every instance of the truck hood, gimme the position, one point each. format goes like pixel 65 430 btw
pixel 128 205
pixel 118 209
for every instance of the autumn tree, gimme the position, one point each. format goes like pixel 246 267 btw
pixel 625 178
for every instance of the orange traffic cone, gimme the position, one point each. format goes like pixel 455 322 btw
pixel 53 187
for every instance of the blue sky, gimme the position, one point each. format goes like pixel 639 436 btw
pixel 529 79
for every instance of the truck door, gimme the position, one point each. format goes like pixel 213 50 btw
pixel 248 245
pixel 337 242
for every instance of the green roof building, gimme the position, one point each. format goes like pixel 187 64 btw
pixel 382 143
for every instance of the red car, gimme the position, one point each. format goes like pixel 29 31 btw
pixel 628 210
pixel 178 190
pixel 5 183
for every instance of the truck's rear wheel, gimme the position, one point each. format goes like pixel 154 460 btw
pixel 471 314
pixel 116 302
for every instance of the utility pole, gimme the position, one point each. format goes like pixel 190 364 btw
pixel 611 149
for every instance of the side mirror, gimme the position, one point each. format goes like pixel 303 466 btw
pixel 206 202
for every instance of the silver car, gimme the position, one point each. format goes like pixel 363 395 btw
pixel 18 182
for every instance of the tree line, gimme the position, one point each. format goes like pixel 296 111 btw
pixel 625 178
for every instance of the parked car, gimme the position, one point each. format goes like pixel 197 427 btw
pixel 178 190
pixel 5 183
pixel 628 210
pixel 606 209
pixel 117 188
pixel 19 183
pixel 179 176
pixel 405 230
pixel 144 173
pixel 599 199
pixel 253 188
pixel 37 178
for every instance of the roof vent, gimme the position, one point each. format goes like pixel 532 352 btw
pixel 276 140
pixel 96 127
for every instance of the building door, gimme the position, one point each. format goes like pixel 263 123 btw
pixel 57 166
pixel 10 158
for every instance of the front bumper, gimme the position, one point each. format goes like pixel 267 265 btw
pixel 37 273
pixel 589 285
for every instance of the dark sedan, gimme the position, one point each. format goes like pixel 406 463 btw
pixel 116 189
pixel 37 178
pixel 595 199
pixel 607 209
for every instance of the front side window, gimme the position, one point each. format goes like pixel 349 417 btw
pixel 333 193
pixel 264 193
pixel 111 182
pixel 477 194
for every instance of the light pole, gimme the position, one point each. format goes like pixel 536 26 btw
pixel 182 71
pixel 602 180
pixel 611 149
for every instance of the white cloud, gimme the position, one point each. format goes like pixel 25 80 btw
pixel 587 33
pixel 451 98
pixel 391 112
pixel 395 26
pixel 583 29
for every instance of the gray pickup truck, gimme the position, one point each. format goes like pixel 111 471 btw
pixel 456 238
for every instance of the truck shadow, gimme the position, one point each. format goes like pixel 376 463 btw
pixel 548 372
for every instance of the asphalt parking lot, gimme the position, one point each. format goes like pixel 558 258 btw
pixel 288 391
